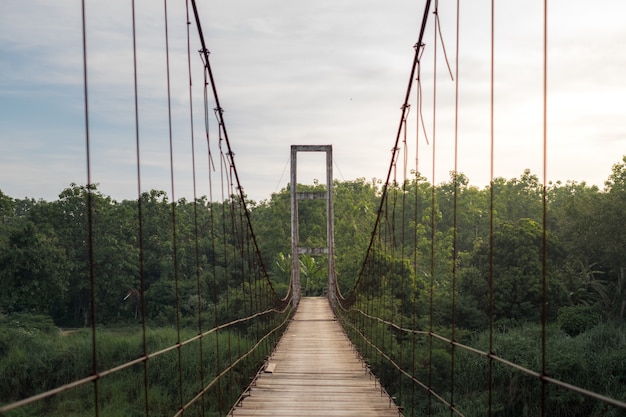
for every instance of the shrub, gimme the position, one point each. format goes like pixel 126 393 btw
pixel 575 320
pixel 29 322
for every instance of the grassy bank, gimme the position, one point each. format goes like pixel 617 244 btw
pixel 36 357
pixel 594 360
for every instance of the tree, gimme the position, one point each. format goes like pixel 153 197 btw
pixel 518 198
pixel 33 272
pixel 517 273
pixel 7 205
pixel 472 210
pixel 312 274
pixel 113 261
pixel 283 267
pixel 272 226
pixel 614 232
pixel 355 205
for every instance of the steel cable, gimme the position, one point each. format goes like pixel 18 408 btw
pixel 90 222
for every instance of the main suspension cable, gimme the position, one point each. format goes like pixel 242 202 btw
pixel 404 110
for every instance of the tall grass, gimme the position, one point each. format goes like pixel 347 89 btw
pixel 34 361
pixel 594 360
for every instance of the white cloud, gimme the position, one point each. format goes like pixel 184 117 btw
pixel 305 72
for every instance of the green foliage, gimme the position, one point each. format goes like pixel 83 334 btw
pixel 313 275
pixel 575 320
pixel 593 360
pixel 434 242
pixel 28 322
pixel 32 269
pixel 464 242
pixel 32 362
pixel 517 269
pixel 178 265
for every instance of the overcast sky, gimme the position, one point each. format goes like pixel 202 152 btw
pixel 315 72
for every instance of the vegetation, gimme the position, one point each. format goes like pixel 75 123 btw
pixel 430 271
pixel 186 264
pixel 35 358
pixel 184 269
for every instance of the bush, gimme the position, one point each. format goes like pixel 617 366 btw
pixel 32 362
pixel 29 322
pixel 575 320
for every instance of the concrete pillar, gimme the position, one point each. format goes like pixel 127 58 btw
pixel 330 229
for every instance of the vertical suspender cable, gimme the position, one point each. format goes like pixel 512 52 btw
pixel 142 284
pixel 404 270
pixel 544 273
pixel 213 250
pixel 191 132
pixel 394 271
pixel 195 202
pixel 173 189
pixel 92 275
pixel 382 243
pixel 455 210
pixel 241 247
pixel 235 203
pixel 418 104
pixel 226 263
pixel 491 210
pixel 432 216
pixel 365 322
pixel 215 286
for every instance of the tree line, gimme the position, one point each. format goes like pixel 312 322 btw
pixel 44 259
pixel 468 264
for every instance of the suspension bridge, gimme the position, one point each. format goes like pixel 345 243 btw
pixel 400 333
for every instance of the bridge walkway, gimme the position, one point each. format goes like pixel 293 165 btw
pixel 315 371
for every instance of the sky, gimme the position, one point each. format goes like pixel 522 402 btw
pixel 298 73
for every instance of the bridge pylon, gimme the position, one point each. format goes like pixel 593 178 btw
pixel 296 249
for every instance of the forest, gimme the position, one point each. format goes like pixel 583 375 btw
pixel 44 266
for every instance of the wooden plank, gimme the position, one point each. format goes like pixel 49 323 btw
pixel 269 367
pixel 312 195
pixel 315 371
pixel 312 251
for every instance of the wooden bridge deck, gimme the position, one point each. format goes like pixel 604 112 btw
pixel 315 371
